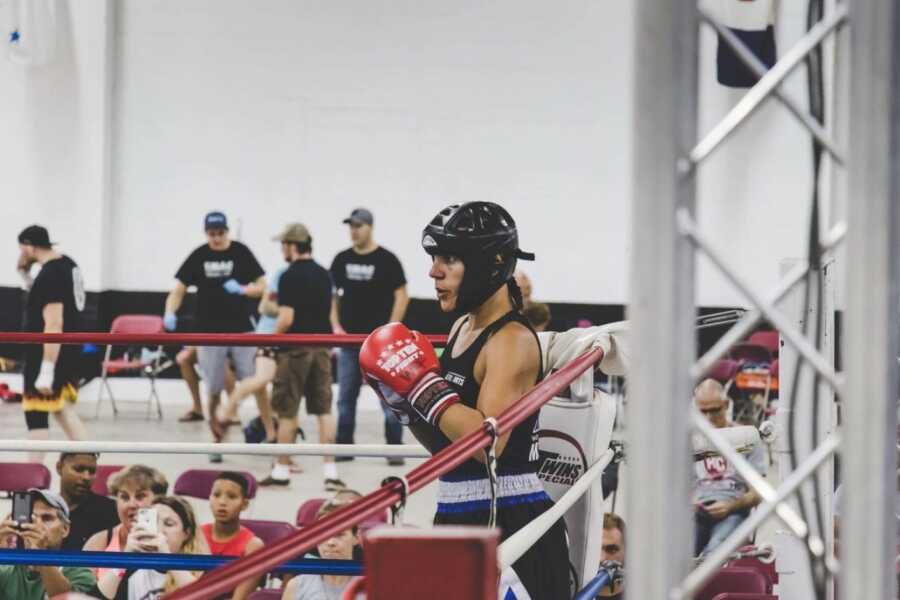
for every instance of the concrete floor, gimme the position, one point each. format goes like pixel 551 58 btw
pixel 363 474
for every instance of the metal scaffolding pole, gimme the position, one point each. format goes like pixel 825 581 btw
pixel 868 526
pixel 662 305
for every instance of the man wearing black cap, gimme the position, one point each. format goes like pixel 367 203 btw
pixel 225 273
pixel 370 290
pixel 54 305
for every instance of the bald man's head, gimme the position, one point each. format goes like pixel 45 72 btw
pixel 710 399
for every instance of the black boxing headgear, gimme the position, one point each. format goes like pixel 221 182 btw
pixel 483 235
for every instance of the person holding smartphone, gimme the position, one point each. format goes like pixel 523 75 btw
pixel 168 526
pixel 722 498
pixel 40 521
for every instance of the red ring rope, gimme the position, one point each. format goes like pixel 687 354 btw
pixel 224 579
pixel 196 339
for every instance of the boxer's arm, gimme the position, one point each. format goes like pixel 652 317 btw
pixel 510 369
pixel 426 434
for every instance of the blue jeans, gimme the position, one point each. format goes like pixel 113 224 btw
pixel 349 382
pixel 709 533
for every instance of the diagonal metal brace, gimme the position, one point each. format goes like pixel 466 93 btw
pixel 755 65
pixel 765 86
pixel 717 557
pixel 689 228
pixel 751 317
pixel 755 480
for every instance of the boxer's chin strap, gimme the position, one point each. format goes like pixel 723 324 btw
pixel 490 464
pixel 397 509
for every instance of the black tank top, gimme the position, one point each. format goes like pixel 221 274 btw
pixel 521 452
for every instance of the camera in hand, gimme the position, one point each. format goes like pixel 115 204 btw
pixel 22 506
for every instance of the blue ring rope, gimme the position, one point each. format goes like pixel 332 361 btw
pixel 165 562
pixel 594 586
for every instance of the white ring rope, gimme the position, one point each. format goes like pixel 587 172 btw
pixel 518 544
pixel 371 450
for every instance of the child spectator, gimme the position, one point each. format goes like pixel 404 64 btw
pixel 225 536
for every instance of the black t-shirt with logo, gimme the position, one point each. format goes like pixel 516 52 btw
pixel 208 269
pixel 59 281
pixel 366 284
pixel 306 287
pixel 95 513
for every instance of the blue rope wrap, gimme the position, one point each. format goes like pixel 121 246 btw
pixel 166 562
pixel 594 586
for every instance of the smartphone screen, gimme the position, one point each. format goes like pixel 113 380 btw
pixel 146 519
pixel 21 507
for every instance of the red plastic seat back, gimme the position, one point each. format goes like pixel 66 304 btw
pixel 268 531
pixel 18 477
pixel 137 324
pixel 733 580
pixel 752 353
pixel 307 511
pixel 767 339
pixel 100 486
pixel 198 483
pixel 265 595
pixel 723 370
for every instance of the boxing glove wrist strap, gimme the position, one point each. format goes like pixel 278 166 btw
pixel 432 397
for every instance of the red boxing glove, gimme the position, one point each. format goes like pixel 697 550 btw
pixel 404 361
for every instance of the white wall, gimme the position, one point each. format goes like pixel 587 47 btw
pixel 52 127
pixel 289 110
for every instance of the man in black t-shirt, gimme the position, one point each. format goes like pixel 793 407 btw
pixel 54 305
pixel 225 273
pixel 304 302
pixel 370 290
pixel 88 512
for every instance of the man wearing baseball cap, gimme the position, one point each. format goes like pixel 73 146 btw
pixel 304 302
pixel 370 290
pixel 48 527
pixel 225 273
pixel 54 304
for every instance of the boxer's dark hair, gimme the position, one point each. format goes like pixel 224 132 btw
pixel 515 294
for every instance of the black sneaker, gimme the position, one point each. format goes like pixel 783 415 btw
pixel 396 461
pixel 334 485
pixel 344 458
pixel 270 481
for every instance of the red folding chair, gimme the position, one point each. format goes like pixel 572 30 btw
pixel 767 339
pixel 732 580
pixel 723 370
pixel 268 531
pixel 148 367
pixel 198 483
pixel 265 595
pixel 18 477
pixel 307 511
pixel 750 353
pixel 101 480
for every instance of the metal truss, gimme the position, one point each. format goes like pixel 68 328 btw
pixel 666 237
